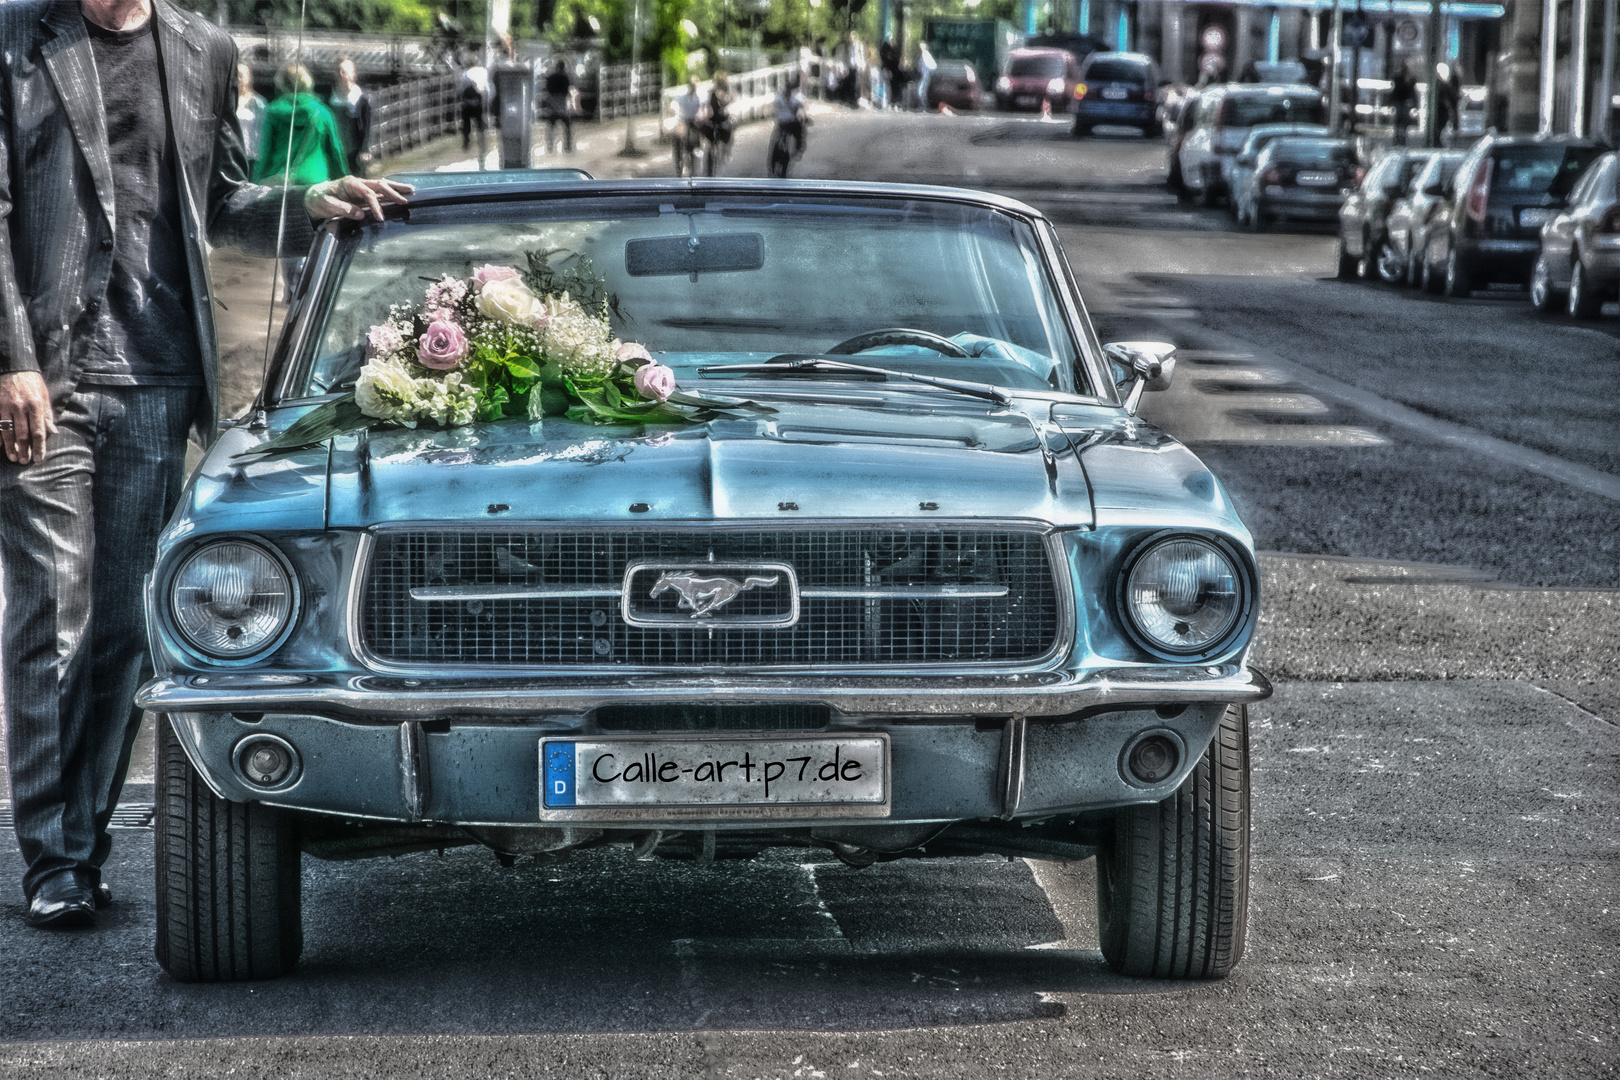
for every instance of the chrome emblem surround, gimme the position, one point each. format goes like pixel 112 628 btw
pixel 705 589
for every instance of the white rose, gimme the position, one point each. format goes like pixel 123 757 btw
pixel 386 391
pixel 510 301
pixel 579 344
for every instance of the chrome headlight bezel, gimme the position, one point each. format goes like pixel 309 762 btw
pixel 1243 575
pixel 198 651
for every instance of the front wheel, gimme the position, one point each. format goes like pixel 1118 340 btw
pixel 228 890
pixel 1390 265
pixel 1584 301
pixel 1349 265
pixel 1173 883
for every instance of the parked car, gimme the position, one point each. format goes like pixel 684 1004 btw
pixel 1118 88
pixel 914 581
pixel 1176 115
pixel 1406 229
pixel 1506 189
pixel 1363 219
pixel 956 84
pixel 1226 114
pixel 1033 76
pixel 1238 167
pixel 1299 179
pixel 1580 247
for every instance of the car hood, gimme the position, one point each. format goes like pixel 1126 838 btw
pixel 806 461
pixel 1068 463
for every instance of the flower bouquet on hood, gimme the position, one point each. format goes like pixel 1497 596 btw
pixel 493 347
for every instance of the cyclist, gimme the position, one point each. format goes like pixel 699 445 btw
pixel 720 123
pixel 792 118
pixel 689 114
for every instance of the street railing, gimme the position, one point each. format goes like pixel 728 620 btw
pixel 627 89
pixel 410 113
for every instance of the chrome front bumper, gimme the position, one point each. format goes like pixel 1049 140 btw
pixel 392 698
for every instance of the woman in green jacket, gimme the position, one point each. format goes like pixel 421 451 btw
pixel 297 119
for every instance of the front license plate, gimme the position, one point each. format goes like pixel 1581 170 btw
pixel 1113 93
pixel 705 777
pixel 1536 216
pixel 1316 179
pixel 1027 99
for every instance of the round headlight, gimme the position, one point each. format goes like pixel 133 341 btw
pixel 1184 595
pixel 231 599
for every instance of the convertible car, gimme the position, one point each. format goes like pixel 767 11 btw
pixel 920 584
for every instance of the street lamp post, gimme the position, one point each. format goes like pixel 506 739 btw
pixel 630 147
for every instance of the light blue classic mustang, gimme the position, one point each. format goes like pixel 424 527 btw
pixel 936 591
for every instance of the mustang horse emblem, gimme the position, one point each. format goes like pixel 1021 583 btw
pixel 701 595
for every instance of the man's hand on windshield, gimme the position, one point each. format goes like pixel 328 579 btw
pixel 353 197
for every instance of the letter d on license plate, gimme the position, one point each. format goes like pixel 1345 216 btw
pixel 675 777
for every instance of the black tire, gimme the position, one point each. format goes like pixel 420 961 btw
pixel 1544 296
pixel 1389 266
pixel 1584 301
pixel 1080 131
pixel 228 890
pixel 1173 884
pixel 1459 281
pixel 1209 196
pixel 1348 264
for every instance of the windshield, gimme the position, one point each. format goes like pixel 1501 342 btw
pixel 1300 152
pixel 1248 110
pixel 1036 67
pixel 773 276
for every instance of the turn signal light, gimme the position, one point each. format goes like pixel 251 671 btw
pixel 1079 90
pixel 1271 176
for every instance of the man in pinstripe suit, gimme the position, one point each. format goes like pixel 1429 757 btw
pixel 120 161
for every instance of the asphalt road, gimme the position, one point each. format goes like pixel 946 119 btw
pixel 1435 782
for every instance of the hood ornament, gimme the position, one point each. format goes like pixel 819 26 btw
pixel 701 594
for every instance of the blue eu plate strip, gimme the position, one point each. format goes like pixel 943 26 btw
pixel 559 783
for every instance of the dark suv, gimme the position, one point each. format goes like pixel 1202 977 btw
pixel 1117 88
pixel 1506 189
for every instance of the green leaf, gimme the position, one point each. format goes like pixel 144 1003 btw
pixel 553 402
pixel 323 422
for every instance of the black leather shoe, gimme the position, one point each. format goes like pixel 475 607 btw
pixel 98 892
pixel 62 900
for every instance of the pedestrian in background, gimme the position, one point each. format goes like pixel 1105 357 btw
pixel 249 112
pixel 300 146
pixel 351 107
pixel 1403 99
pixel 107 357
pixel 558 107
pixel 474 104
pixel 893 83
pixel 925 73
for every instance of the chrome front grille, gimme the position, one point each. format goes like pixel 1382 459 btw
pixel 490 598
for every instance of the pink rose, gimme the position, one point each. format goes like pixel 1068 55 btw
pixel 486 274
pixel 655 382
pixel 442 347
pixel 382 339
pixel 631 351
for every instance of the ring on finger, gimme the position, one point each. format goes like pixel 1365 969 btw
pixel 6 425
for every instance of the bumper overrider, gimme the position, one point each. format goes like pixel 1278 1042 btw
pixel 467 752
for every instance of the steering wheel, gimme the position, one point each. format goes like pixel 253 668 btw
pixel 897 335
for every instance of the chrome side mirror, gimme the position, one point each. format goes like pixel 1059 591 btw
pixel 1139 366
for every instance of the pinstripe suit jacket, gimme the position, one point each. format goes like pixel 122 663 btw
pixel 56 185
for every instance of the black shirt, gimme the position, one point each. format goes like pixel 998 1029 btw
pixel 142 335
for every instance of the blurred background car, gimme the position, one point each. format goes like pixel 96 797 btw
pixel 1241 165
pixel 1226 114
pixel 1406 229
pixel 954 84
pixel 1301 179
pixel 1036 75
pixel 1506 189
pixel 1579 262
pixel 1118 88
pixel 1364 216
pixel 1176 113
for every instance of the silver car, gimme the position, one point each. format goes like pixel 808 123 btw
pixel 1580 246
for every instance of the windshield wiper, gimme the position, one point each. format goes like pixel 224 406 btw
pixel 815 365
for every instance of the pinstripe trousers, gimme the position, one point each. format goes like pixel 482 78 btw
pixel 78 532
